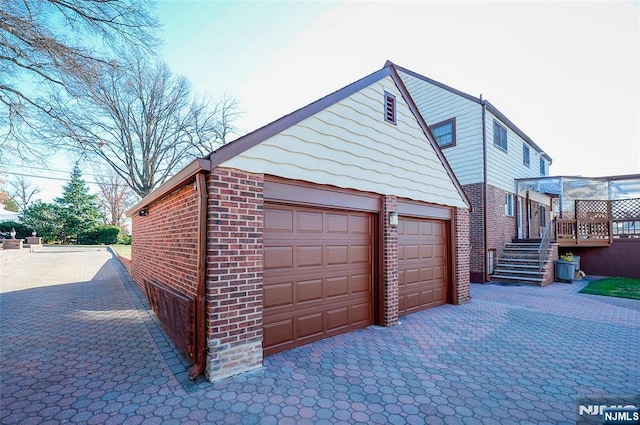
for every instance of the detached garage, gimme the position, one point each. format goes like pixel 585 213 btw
pixel 341 215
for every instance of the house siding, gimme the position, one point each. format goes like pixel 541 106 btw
pixel 504 167
pixel 163 243
pixel 350 145
pixel 437 104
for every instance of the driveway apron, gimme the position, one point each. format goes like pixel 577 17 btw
pixel 80 345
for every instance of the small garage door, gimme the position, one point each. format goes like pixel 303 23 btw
pixel 422 264
pixel 317 275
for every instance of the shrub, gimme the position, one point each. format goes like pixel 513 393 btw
pixel 100 235
pixel 22 231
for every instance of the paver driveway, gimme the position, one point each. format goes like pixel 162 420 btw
pixel 79 345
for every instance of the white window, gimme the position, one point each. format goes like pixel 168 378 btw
pixel 525 155
pixel 508 204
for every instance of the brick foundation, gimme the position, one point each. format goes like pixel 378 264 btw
pixel 234 272
pixel 475 193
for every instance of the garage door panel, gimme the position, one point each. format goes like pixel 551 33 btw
pixel 310 222
pixel 360 283
pixel 309 256
pixel 337 254
pixel 330 273
pixel 278 295
pixel 278 257
pixel 337 286
pixel 360 225
pixel 422 264
pixel 360 254
pixel 310 325
pixel 338 223
pixel 310 290
pixel 277 332
pixel 281 220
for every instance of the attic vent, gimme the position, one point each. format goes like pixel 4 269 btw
pixel 389 108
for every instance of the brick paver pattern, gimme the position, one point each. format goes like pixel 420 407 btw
pixel 79 345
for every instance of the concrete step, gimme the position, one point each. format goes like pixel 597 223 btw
pixel 509 278
pixel 517 272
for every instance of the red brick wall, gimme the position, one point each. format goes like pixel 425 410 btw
pixel 234 272
pixel 463 253
pixel 163 244
pixel 390 264
pixel 476 231
pixel 500 228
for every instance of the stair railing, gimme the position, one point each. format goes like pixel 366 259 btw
pixel 547 237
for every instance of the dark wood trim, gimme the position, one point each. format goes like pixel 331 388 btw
pixel 416 209
pixel 451 121
pixel 452 263
pixel 302 193
pixel 378 282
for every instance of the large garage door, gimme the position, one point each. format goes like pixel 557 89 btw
pixel 422 264
pixel 317 275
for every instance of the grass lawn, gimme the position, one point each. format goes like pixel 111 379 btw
pixel 621 287
pixel 123 250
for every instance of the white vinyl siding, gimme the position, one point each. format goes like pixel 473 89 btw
pixel 350 145
pixel 505 166
pixel 436 105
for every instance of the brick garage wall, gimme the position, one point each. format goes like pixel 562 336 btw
pixel 476 231
pixel 234 272
pixel 390 264
pixel 500 228
pixel 163 244
pixel 463 253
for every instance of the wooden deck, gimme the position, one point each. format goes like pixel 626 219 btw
pixel 584 232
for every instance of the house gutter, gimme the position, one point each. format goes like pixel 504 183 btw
pixel 201 291
pixel 485 188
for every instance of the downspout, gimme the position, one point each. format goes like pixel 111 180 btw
pixel 485 190
pixel 200 316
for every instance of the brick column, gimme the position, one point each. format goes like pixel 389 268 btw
pixel 234 272
pixel 390 263
pixel 463 254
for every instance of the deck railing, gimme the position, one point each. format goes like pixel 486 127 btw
pixel 547 237
pixel 584 232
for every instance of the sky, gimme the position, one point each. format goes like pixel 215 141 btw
pixel 566 73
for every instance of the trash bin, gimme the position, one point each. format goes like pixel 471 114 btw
pixel 565 271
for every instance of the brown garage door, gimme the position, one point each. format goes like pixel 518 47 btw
pixel 422 264
pixel 317 275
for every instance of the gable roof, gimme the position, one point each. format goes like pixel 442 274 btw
pixel 237 147
pixel 479 101
pixel 242 144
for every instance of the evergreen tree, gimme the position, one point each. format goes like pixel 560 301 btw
pixel 44 219
pixel 78 209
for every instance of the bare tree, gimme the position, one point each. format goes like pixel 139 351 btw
pixel 23 192
pixel 45 45
pixel 115 197
pixel 143 122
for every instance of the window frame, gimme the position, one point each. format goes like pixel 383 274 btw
pixel 499 129
pixel 526 155
pixel 390 108
pixel 543 167
pixel 509 204
pixel 450 121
